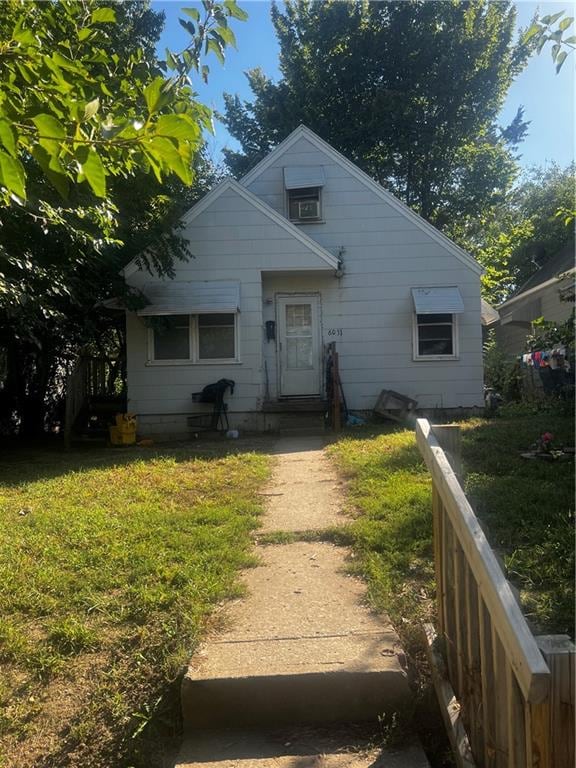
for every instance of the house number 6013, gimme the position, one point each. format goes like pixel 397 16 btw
pixel 335 332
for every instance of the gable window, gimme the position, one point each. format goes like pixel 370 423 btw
pixel 435 336
pixel 303 184
pixel 304 204
pixel 203 338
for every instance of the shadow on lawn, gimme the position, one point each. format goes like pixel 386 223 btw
pixel 29 461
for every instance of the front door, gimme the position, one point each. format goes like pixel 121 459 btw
pixel 299 345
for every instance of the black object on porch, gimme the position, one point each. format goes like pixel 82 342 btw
pixel 213 393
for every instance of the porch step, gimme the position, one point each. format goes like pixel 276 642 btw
pixel 302 649
pixel 295 405
pixel 301 423
pixel 336 747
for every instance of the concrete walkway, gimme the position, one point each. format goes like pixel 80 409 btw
pixel 302 650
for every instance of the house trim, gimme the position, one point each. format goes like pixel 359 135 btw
pixel 536 288
pixel 270 213
pixel 303 132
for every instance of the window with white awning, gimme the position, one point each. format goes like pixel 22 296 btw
pixel 191 298
pixel 435 327
pixel 192 322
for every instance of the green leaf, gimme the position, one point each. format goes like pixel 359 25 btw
pixel 531 31
pixel 194 13
pixel 91 108
pixel 188 26
pixel 85 33
pixel 565 23
pixel 179 127
pixel 555 17
pixel 52 169
pixel 51 133
pixel 234 10
pixel 555 51
pixel 560 59
pixel 8 137
pixel 571 40
pixel 23 36
pixel 12 175
pixel 214 45
pixel 154 96
pixel 167 156
pixel 227 35
pixel 94 172
pixel 103 16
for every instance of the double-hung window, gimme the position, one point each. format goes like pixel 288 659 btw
pixel 435 335
pixel 435 322
pixel 198 338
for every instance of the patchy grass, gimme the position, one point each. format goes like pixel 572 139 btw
pixel 527 510
pixel 526 507
pixel 110 566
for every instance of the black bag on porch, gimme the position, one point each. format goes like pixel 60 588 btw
pixel 214 393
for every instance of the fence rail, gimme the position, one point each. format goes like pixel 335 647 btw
pixel 517 709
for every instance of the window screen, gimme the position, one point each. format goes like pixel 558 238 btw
pixel 304 204
pixel 172 338
pixel 435 334
pixel 216 337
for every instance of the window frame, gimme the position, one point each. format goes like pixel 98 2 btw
pixel 416 357
pixel 194 342
pixel 318 219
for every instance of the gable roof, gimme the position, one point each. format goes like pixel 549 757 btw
pixel 556 265
pixel 232 185
pixel 303 132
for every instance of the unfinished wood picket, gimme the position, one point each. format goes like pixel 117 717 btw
pixel 511 709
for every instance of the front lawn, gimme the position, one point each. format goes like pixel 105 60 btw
pixel 111 563
pixel 526 507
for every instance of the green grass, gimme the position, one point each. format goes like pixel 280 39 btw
pixel 526 507
pixel 111 564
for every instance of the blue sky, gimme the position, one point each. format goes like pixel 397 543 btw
pixel 548 98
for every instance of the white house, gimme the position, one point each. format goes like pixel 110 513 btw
pixel 305 250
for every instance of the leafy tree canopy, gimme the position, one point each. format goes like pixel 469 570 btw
pixel 562 39
pixel 62 244
pixel 533 224
pixel 84 102
pixel 410 91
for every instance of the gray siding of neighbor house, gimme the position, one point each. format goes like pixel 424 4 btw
pixel 385 255
pixel 543 303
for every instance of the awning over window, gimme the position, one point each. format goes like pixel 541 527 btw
pixel 432 301
pixel 187 298
pixel 304 176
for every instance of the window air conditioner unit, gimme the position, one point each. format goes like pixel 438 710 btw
pixel 308 209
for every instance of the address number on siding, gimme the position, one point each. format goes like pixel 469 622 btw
pixel 335 332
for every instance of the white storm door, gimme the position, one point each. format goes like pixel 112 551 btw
pixel 299 345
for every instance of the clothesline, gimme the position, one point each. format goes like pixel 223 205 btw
pixel 556 358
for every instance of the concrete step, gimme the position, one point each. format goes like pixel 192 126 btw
pixel 295 748
pixel 302 648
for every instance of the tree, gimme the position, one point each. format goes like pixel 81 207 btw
pixel 531 225
pixel 410 91
pixel 59 258
pixel 82 102
pixel 541 33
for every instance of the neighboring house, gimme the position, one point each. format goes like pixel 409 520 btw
pixel 305 250
pixel 548 293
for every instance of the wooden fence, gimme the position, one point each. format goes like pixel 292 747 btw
pixel 90 377
pixel 508 696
